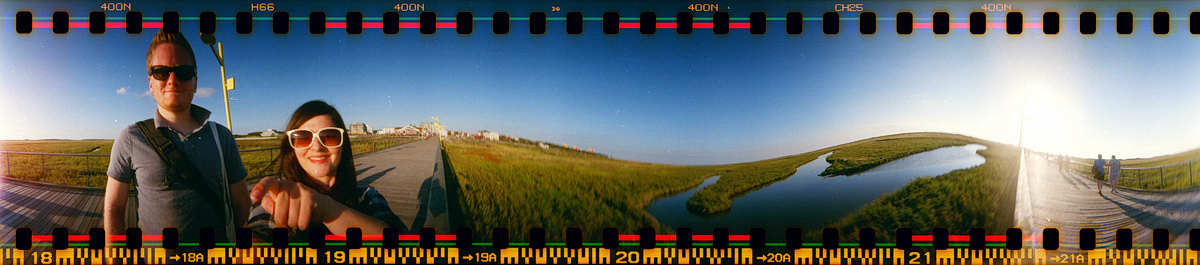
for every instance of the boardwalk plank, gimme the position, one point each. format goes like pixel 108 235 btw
pixel 399 173
pixel 84 222
pixel 1051 197
pixel 53 206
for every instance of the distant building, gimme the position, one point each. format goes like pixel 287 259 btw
pixel 435 127
pixel 408 131
pixel 543 145
pixel 359 128
pixel 490 135
pixel 270 133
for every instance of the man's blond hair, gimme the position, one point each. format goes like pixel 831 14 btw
pixel 172 38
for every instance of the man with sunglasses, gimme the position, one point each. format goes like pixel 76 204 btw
pixel 203 187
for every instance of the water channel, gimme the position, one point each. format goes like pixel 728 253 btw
pixel 808 201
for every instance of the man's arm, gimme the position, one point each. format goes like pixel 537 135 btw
pixel 234 169
pixel 241 203
pixel 116 194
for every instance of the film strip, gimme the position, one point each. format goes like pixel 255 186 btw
pixel 1013 23
pixel 645 247
pixel 577 132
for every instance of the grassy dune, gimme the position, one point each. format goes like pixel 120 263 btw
pixel 518 187
pixel 861 157
pixel 84 171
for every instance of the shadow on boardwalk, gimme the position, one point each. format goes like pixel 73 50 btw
pixel 412 178
pixel 1066 200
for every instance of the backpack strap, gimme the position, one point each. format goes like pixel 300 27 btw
pixel 226 201
pixel 180 166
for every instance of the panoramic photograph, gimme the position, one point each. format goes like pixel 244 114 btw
pixel 558 131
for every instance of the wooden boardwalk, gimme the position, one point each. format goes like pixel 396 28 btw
pixel 1053 197
pixel 409 175
pixel 43 207
pixel 412 178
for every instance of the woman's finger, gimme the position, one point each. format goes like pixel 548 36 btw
pixel 268 204
pixel 294 205
pixel 281 211
pixel 260 188
pixel 306 208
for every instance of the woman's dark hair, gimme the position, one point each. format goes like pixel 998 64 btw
pixel 344 184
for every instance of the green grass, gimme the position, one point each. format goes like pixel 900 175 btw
pixel 861 157
pixel 740 179
pixel 521 187
pixel 91 171
pixel 854 157
pixel 982 196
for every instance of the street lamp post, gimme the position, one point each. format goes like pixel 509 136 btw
pixel 226 84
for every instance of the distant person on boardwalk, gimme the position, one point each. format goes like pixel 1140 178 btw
pixel 188 172
pixel 1114 171
pixel 1098 173
pixel 316 185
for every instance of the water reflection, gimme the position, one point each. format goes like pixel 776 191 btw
pixel 808 201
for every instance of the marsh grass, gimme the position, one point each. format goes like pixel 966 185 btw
pixel 862 157
pixel 982 196
pixel 517 187
pixel 854 157
pixel 520 187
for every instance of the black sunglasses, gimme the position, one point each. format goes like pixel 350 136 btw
pixel 183 72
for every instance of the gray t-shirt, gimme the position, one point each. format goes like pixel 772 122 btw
pixel 167 201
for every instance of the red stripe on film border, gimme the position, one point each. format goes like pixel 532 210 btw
pixel 379 25
pixel 918 238
pixel 706 25
pixel 444 25
pixel 638 25
pixel 963 238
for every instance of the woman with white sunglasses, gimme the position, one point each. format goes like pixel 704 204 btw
pixel 316 183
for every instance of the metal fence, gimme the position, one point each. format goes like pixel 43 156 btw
pixel 88 161
pixel 1167 177
pixel 89 169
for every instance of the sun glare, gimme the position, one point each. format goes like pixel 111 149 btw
pixel 1050 122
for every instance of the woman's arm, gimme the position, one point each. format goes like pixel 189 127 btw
pixel 337 217
pixel 295 205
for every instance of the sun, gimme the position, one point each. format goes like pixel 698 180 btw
pixel 1049 122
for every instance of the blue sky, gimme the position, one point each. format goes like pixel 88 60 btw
pixel 665 98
